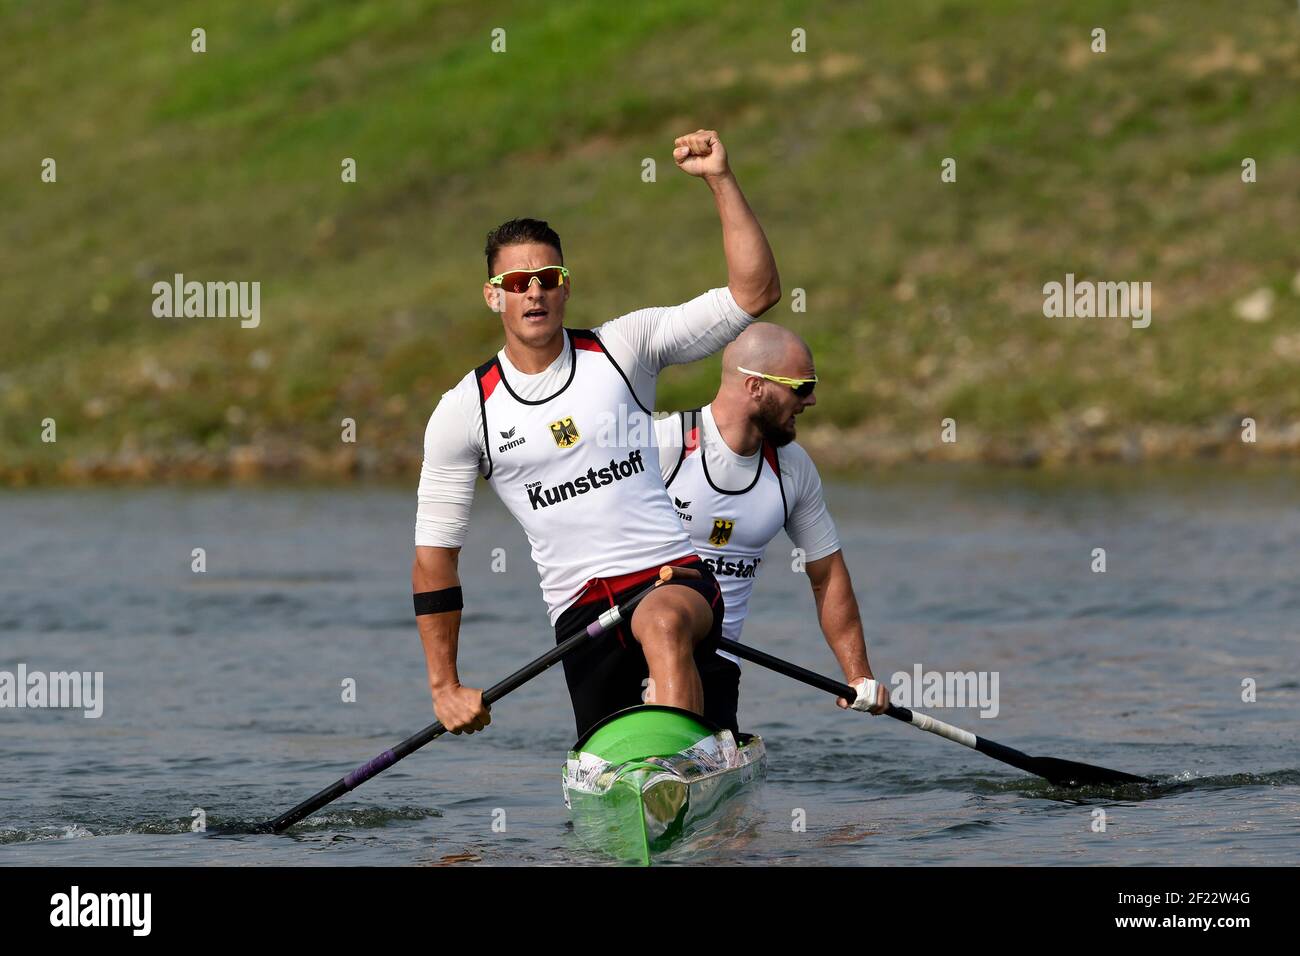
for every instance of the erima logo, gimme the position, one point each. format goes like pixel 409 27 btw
pixel 511 444
pixel 681 508
pixel 595 478
pixel 734 569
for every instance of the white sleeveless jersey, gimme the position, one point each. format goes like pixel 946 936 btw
pixel 580 472
pixel 729 528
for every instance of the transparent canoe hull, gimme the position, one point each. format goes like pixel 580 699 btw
pixel 649 778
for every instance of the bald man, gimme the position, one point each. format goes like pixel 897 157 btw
pixel 737 477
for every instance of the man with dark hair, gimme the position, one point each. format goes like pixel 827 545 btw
pixel 517 232
pixel 737 477
pixel 559 424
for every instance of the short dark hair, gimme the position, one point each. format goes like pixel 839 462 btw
pixel 517 231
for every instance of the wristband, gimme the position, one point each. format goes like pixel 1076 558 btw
pixel 437 602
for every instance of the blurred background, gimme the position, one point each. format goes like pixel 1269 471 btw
pixel 924 298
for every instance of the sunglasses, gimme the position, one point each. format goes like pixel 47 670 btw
pixel 548 277
pixel 802 387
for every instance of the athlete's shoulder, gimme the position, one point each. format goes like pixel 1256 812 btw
pixel 456 423
pixel 467 387
pixel 795 461
pixel 462 400
pixel 587 340
pixel 795 452
pixel 480 381
pixel 617 339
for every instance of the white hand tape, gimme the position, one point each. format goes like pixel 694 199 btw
pixel 867 691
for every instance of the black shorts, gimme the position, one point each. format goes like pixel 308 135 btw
pixel 609 674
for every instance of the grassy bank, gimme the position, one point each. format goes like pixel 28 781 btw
pixel 924 298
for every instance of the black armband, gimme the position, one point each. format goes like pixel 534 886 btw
pixel 436 602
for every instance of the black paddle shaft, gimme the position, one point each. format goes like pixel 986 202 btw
pixel 811 678
pixel 490 696
pixel 1063 772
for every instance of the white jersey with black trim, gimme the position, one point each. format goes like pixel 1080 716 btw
pixel 457 453
pixel 732 506
pixel 578 468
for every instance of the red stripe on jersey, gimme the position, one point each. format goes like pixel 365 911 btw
pixel 582 342
pixel 692 440
pixel 769 455
pixel 490 380
pixel 621 582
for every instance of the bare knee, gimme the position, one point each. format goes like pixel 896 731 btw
pixel 667 630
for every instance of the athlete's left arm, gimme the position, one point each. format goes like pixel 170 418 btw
pixel 810 527
pixel 837 611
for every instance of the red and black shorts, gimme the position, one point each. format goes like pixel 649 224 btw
pixel 609 674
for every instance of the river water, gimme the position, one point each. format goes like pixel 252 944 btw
pixel 223 690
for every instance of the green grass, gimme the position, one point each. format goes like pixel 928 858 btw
pixel 923 297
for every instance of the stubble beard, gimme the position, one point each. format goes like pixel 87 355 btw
pixel 771 423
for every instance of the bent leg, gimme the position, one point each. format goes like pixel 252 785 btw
pixel 668 625
pixel 603 676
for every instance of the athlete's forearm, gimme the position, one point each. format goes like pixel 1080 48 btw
pixel 751 267
pixel 433 570
pixel 439 634
pixel 837 612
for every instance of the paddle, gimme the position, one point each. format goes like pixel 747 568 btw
pixel 607 621
pixel 1066 773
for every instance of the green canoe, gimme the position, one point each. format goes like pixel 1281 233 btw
pixel 651 777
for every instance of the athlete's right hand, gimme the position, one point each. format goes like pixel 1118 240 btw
pixel 461 709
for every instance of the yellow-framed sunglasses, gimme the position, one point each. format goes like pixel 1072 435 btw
pixel 802 387
pixel 518 280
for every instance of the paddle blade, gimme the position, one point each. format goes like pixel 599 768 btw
pixel 1070 773
pixel 1064 773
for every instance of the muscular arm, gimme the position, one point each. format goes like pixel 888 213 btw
pixel 647 341
pixel 751 267
pixel 811 529
pixel 451 459
pixel 837 611
pixel 460 709
pixel 453 449
pixel 433 570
